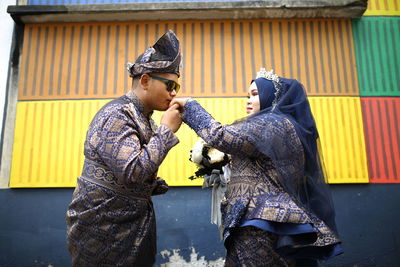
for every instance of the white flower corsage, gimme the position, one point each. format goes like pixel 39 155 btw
pixel 207 159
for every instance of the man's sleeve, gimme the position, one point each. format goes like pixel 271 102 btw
pixel 122 152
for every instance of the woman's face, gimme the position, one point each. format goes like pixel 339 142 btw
pixel 253 101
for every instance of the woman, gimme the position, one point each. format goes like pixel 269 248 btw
pixel 277 209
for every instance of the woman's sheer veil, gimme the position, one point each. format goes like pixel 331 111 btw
pixel 307 186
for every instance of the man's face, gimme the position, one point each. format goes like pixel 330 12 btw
pixel 159 97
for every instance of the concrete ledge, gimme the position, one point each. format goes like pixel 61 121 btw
pixel 188 10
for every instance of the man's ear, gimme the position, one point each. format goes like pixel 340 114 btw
pixel 144 81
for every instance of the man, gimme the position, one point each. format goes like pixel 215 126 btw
pixel 111 220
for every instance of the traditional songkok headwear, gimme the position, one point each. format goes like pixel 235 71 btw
pixel 163 57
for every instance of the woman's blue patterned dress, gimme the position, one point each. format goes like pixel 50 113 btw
pixel 254 196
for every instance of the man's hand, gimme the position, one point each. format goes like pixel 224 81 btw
pixel 161 187
pixel 172 118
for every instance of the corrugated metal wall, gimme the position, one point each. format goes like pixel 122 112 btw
pixel 340 125
pixel 86 61
pixel 377 46
pixel 49 137
pixel 376 40
pixel 219 57
pixel 80 66
pixel 383 8
pixel 52 154
pixel 382 134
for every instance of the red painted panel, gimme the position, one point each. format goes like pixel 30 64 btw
pixel 382 134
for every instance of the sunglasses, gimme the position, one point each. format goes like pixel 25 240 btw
pixel 171 85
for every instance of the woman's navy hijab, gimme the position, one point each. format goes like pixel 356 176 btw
pixel 287 99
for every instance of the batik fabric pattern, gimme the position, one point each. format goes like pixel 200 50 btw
pixel 111 220
pixel 253 247
pixel 254 192
pixel 163 57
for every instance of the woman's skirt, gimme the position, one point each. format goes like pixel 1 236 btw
pixel 251 246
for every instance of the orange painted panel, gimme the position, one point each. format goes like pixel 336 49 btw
pixel 87 60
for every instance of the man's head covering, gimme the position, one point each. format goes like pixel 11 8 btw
pixel 163 57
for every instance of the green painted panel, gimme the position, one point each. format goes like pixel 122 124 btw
pixel 377 48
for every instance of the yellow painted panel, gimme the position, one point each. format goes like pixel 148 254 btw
pixel 49 136
pixel 340 125
pixel 48 142
pixel 383 8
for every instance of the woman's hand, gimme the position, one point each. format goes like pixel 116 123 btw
pixel 181 101
pixel 172 118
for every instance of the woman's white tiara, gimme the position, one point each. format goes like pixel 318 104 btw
pixel 269 75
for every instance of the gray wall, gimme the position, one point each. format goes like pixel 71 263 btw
pixel 32 226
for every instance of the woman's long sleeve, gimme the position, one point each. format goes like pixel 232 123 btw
pixel 231 139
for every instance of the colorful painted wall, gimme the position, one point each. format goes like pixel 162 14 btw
pixel 349 67
pixel 79 67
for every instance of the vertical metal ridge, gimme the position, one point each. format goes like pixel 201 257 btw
pixel 93 89
pixel 313 57
pixel 391 163
pixel 70 57
pixel 344 53
pixel 116 61
pixel 298 59
pixel 372 155
pixel 79 60
pixel 36 61
pixel 61 64
pixel 184 58
pixel 243 51
pixel 306 55
pixel 88 59
pixel 26 53
pixel 202 74
pixel 352 63
pixel 252 49
pixel 52 63
pixel 107 63
pixel 212 59
pixel 290 49
pixel 222 53
pixel 336 57
pixel 321 57
pixel 233 51
pixel 126 59
pixel 281 50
